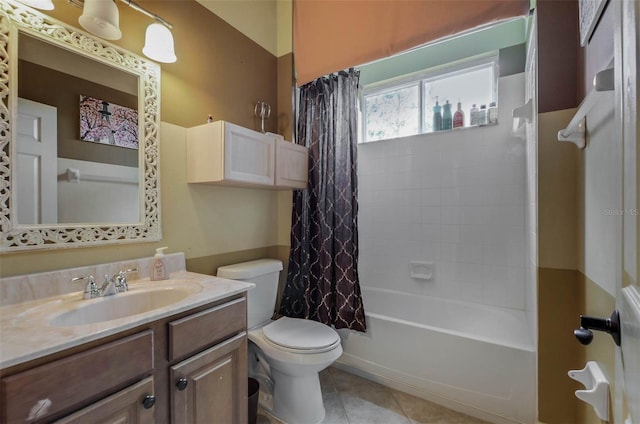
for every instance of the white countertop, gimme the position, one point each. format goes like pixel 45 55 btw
pixel 26 332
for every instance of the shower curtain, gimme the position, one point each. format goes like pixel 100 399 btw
pixel 322 280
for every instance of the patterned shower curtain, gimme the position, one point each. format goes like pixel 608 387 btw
pixel 322 281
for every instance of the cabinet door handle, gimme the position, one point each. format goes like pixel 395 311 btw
pixel 148 401
pixel 182 383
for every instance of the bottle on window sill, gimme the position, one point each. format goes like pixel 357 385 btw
pixel 482 115
pixel 447 120
pixel 437 117
pixel 473 115
pixel 458 117
pixel 493 113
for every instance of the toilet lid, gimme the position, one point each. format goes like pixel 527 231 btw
pixel 301 334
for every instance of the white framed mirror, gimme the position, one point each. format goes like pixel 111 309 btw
pixel 79 137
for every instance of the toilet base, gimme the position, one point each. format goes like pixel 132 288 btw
pixel 297 400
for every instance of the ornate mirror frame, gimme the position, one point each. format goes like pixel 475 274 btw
pixel 14 18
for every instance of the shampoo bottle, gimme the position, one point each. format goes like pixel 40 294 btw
pixel 458 117
pixel 482 115
pixel 437 117
pixel 473 115
pixel 447 119
pixel 159 266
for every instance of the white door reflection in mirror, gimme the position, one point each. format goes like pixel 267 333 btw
pixel 37 168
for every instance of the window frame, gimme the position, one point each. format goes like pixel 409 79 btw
pixel 422 77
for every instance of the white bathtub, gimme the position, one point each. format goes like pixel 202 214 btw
pixel 476 359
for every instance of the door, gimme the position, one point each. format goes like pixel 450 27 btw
pixel 626 396
pixel 211 386
pixel 36 163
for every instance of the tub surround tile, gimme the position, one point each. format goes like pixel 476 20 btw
pixel 470 188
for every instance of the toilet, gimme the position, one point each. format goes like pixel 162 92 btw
pixel 287 354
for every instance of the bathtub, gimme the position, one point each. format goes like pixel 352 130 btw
pixel 476 359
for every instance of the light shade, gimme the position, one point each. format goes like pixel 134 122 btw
pixel 39 4
pixel 158 44
pixel 100 17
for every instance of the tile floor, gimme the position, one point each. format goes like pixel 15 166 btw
pixel 349 399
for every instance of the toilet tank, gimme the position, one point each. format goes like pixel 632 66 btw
pixel 261 300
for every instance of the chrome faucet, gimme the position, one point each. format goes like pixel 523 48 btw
pixel 112 285
pixel 121 279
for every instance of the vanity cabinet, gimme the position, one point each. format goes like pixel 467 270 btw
pixel 137 375
pixel 222 153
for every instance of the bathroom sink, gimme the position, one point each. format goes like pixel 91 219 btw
pixel 121 305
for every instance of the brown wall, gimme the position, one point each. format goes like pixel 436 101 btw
pixel 558 351
pixel 558 43
pixel 285 93
pixel 63 91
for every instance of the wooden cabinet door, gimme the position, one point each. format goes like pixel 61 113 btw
pixel 211 387
pixel 125 407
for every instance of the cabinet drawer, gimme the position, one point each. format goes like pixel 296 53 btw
pixel 69 382
pixel 125 406
pixel 190 334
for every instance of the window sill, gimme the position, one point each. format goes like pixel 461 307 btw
pixel 433 133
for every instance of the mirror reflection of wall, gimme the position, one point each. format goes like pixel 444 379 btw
pixel 107 187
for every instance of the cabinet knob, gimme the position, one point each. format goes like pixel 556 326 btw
pixel 182 383
pixel 148 401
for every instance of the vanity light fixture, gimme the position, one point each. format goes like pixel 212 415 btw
pixel 39 4
pixel 158 44
pixel 101 18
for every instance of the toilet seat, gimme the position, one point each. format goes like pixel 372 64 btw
pixel 300 335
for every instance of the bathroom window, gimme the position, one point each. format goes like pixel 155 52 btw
pixel 404 107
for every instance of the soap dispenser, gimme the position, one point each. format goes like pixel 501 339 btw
pixel 159 266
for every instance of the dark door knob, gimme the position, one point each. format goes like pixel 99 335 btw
pixel 182 383
pixel 609 325
pixel 583 335
pixel 148 401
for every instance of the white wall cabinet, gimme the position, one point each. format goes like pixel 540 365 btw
pixel 222 153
